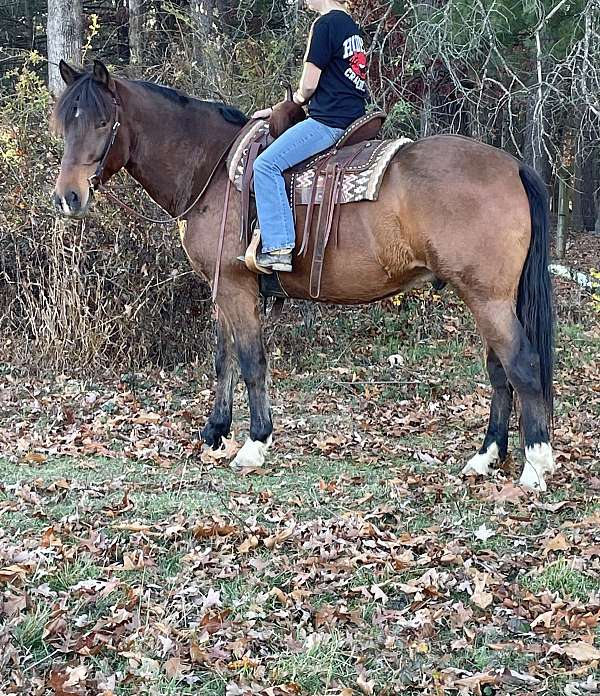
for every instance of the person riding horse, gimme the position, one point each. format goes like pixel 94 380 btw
pixel 333 86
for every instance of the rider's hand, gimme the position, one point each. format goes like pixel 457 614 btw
pixel 298 98
pixel 263 113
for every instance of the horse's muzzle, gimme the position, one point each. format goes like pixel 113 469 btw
pixel 71 206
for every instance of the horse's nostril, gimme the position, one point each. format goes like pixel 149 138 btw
pixel 72 200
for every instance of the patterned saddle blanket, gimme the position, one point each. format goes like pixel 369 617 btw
pixel 364 165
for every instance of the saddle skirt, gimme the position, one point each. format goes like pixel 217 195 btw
pixel 364 165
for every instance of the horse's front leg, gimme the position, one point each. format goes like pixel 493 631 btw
pixel 249 345
pixel 219 421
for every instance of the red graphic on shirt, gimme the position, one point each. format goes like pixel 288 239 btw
pixel 358 63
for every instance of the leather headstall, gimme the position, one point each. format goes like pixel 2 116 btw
pixel 95 181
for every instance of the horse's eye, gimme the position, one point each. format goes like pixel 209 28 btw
pixel 102 124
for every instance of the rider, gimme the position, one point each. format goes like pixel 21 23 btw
pixel 333 86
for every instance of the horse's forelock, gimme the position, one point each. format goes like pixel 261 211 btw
pixel 88 99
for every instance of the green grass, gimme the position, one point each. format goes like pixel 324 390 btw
pixel 28 634
pixel 562 578
pixel 71 573
pixel 314 668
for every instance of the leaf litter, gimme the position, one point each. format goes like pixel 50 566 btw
pixel 358 562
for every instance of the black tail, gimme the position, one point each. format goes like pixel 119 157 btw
pixel 534 298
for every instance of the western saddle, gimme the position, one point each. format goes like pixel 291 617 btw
pixel 354 151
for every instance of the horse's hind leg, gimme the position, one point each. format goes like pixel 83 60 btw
pixel 506 337
pixel 495 444
pixel 219 422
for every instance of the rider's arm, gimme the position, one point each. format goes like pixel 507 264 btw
pixel 319 52
pixel 308 83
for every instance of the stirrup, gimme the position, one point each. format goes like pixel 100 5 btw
pixel 250 255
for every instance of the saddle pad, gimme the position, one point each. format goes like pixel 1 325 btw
pixel 361 181
pixel 239 149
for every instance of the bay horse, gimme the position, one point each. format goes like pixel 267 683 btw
pixel 450 208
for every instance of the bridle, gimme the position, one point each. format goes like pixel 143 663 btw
pixel 95 180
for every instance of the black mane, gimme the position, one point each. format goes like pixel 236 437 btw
pixel 229 113
pixel 95 103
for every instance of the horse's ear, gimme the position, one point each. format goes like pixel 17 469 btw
pixel 101 73
pixel 289 94
pixel 68 74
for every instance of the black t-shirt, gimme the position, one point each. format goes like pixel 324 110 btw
pixel 336 47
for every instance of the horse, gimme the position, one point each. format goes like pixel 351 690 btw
pixel 450 209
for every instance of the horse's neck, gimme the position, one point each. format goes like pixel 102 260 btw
pixel 174 148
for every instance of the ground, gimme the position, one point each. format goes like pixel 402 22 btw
pixel 358 561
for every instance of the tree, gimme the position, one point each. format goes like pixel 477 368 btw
pixel 135 32
pixel 65 37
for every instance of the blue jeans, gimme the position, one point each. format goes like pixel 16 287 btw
pixel 275 217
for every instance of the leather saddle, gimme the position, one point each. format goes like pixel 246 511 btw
pixel 318 179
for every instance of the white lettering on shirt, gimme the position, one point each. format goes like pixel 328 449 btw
pixel 352 45
pixel 358 82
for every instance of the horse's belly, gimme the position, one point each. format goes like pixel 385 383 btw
pixel 353 270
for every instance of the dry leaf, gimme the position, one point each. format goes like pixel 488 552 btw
pixel 581 651
pixel 229 448
pixel 250 543
pixel 484 533
pixel 479 597
pixel 557 543
pixel 367 687
pixel 174 668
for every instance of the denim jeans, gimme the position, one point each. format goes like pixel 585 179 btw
pixel 275 217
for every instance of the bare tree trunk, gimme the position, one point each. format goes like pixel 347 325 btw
pixel 589 181
pixel 135 32
pixel 562 226
pixel 202 14
pixel 65 37
pixel 534 150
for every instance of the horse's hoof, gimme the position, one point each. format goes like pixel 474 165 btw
pixel 212 435
pixel 538 463
pixel 252 454
pixel 480 463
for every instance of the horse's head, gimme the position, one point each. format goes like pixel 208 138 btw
pixel 285 115
pixel 95 147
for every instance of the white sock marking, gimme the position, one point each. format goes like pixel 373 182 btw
pixel 538 462
pixel 252 454
pixel 480 463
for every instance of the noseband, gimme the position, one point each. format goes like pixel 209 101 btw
pixel 95 180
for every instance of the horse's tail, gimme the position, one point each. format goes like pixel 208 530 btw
pixel 534 297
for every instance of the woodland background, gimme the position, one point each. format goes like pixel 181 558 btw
pixel 524 76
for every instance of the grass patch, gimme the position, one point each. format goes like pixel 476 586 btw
pixel 560 577
pixel 316 667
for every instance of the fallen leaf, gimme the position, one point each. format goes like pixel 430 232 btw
pixel 581 651
pixel 367 687
pixel 484 533
pixel 557 543
pixel 479 597
pixel 229 448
